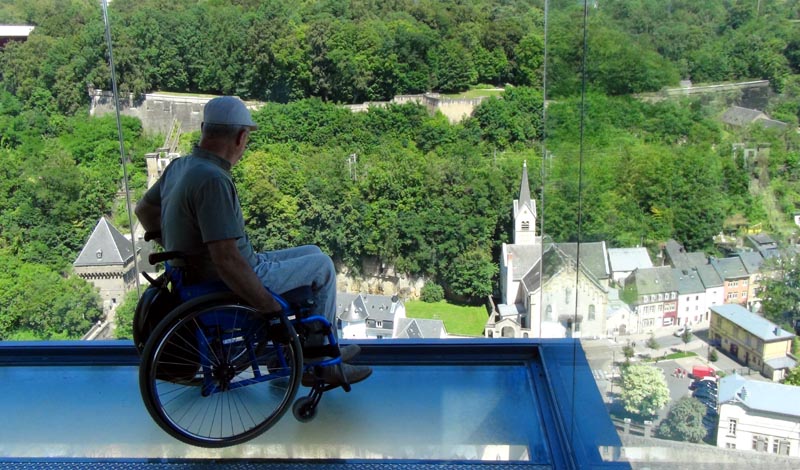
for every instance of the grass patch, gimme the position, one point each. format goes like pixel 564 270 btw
pixel 676 355
pixel 459 320
pixel 474 93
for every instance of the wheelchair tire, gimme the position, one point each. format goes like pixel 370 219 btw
pixel 213 375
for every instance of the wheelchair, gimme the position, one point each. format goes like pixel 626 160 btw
pixel 214 372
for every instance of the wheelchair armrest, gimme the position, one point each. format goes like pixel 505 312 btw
pixel 156 258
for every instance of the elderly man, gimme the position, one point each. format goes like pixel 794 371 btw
pixel 196 208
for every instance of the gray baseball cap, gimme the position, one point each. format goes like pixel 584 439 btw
pixel 228 111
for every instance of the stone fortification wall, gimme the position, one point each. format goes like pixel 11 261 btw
pixel 158 111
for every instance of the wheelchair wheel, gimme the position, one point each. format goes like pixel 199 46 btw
pixel 304 409
pixel 217 373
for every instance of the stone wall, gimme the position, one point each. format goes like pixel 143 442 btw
pixel 158 111
pixel 408 288
pixel 654 453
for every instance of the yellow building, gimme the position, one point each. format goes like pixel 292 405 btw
pixel 753 340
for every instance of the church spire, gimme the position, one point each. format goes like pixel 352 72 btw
pixel 524 187
pixel 524 212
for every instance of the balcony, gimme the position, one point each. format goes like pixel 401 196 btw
pixel 466 404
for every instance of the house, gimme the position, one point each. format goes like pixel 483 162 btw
pixel 737 116
pixel 714 286
pixel 620 320
pixel 758 416
pixel 677 256
pixel 418 328
pixel 623 261
pixel 752 340
pixel 106 261
pixel 692 304
pixel 752 262
pixel 9 32
pixel 363 316
pixel 736 279
pixel 653 296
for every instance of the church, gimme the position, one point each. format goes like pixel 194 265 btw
pixel 548 289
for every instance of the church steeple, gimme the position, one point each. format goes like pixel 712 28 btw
pixel 524 187
pixel 524 212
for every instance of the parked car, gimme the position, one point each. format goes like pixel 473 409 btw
pixel 703 384
pixel 705 395
pixel 679 332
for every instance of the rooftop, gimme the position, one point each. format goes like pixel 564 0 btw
pixel 752 323
pixel 628 259
pixel 729 268
pixel 106 247
pixel 760 395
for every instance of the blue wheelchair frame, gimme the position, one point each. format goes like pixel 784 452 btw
pixel 296 316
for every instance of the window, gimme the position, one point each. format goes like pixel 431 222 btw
pixel 733 284
pixel 760 443
pixel 526 225
pixel 591 312
pixel 732 427
pixel 730 445
pixel 378 324
pixel 784 447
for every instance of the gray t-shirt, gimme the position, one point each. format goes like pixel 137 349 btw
pixel 199 204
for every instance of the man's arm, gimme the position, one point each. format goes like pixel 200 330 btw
pixel 240 277
pixel 149 216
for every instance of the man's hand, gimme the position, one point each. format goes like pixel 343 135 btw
pixel 272 306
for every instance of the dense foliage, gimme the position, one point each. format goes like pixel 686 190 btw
pixel 398 184
pixel 354 51
pixel 644 390
pixel 684 422
pixel 58 176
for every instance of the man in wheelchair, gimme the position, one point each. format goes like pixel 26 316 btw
pixel 195 207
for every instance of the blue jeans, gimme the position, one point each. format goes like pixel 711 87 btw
pixel 284 270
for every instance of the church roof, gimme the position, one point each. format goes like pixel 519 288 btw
pixel 106 247
pixel 593 257
pixel 553 261
pixel 522 258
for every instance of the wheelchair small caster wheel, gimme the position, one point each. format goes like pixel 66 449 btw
pixel 304 409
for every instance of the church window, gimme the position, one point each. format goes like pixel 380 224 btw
pixel 526 225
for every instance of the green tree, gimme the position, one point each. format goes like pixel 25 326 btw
pixel 781 290
pixel 793 377
pixel 686 336
pixel 432 292
pixel 123 322
pixel 644 390
pixel 684 422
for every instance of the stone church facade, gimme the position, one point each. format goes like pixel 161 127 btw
pixel 545 292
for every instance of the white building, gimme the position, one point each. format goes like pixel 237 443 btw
pixel 363 316
pixel 624 261
pixel 759 416
pixel 692 304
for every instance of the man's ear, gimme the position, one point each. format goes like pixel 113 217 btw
pixel 241 136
